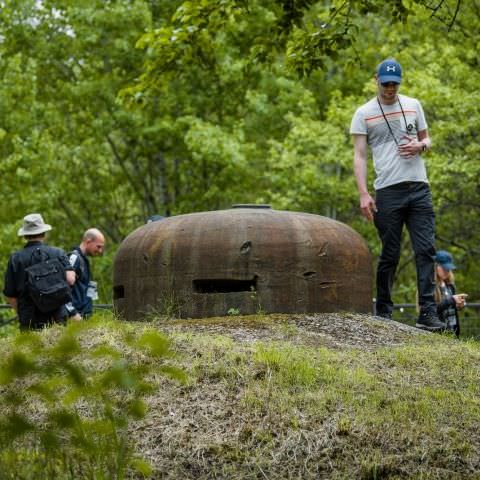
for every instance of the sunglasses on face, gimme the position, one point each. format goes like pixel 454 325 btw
pixel 389 84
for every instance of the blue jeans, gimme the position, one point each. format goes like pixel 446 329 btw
pixel 410 204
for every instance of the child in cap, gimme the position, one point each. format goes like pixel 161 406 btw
pixel 448 301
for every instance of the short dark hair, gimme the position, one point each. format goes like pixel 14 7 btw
pixel 33 237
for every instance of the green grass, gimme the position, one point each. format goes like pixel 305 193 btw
pixel 301 411
pixel 266 398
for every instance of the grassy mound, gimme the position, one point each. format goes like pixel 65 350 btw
pixel 295 396
pixel 320 396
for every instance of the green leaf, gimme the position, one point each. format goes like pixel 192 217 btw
pixel 142 467
pixel 17 365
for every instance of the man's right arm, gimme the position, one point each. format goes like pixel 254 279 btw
pixel 71 277
pixel 367 204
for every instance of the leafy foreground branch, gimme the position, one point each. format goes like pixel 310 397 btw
pixel 69 395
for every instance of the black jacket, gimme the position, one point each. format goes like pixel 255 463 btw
pixel 15 286
pixel 81 301
pixel 446 303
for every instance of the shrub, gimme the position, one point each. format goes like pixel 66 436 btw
pixel 69 396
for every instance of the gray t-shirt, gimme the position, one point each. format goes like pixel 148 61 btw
pixel 390 168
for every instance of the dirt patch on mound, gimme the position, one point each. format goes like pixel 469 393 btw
pixel 331 330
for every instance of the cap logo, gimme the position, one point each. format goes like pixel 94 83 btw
pixel 390 68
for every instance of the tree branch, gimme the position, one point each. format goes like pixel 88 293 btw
pixel 453 243
pixel 454 15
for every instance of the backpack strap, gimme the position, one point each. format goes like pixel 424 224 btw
pixel 41 254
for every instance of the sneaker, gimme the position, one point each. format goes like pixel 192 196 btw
pixel 430 322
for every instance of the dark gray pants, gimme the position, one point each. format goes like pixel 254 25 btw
pixel 410 204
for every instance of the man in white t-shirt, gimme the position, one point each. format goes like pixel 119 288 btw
pixel 395 129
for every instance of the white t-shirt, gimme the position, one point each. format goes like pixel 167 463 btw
pixel 390 167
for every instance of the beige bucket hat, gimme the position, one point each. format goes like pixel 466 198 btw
pixel 33 224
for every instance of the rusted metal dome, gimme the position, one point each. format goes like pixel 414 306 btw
pixel 244 260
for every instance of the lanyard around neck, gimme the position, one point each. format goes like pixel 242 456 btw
pixel 387 122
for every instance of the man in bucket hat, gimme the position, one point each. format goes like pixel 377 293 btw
pixel 393 126
pixel 15 289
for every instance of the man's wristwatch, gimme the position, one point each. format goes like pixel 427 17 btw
pixel 424 147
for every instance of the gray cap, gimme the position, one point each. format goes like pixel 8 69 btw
pixel 33 224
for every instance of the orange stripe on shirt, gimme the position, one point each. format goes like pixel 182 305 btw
pixel 388 114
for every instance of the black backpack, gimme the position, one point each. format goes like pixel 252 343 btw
pixel 46 282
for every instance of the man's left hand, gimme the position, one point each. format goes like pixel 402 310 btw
pixel 409 147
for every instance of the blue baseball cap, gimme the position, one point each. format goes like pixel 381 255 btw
pixel 445 260
pixel 389 71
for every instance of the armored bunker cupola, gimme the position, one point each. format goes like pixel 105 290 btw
pixel 246 259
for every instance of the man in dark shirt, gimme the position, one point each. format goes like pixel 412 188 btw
pixel 85 289
pixel 15 290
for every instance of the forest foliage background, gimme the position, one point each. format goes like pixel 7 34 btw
pixel 114 110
